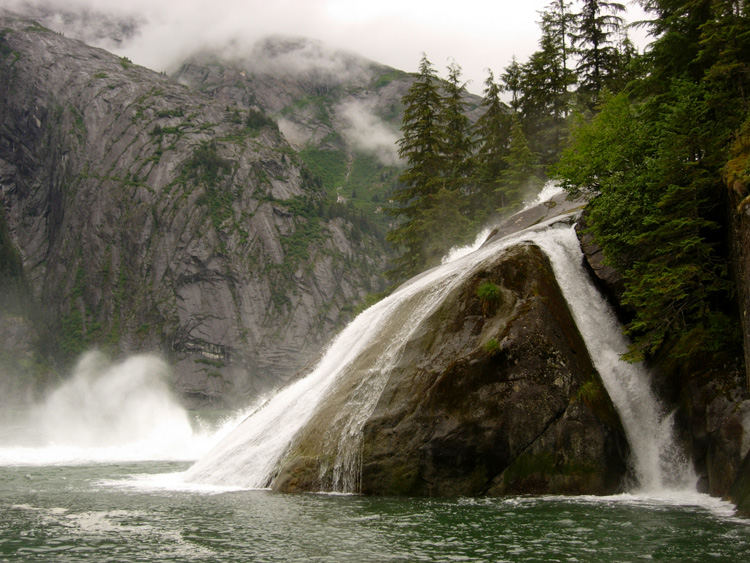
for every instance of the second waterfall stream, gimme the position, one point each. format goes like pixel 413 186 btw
pixel 371 344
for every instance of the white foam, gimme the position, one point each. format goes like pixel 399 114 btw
pixel 110 412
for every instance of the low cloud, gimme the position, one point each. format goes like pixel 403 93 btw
pixel 368 132
pixel 391 32
pixel 302 57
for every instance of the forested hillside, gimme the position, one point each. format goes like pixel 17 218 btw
pixel 656 141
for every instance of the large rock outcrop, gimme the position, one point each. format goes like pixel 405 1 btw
pixel 149 216
pixel 737 177
pixel 488 397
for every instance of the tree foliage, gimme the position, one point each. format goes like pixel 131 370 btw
pixel 454 177
pixel 492 132
pixel 421 147
pixel 652 162
pixel 649 139
pixel 597 42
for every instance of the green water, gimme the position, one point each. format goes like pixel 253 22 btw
pixel 98 513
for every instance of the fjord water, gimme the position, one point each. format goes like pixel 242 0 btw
pixel 84 513
pixel 68 494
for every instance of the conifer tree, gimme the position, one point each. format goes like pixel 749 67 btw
pixel 545 100
pixel 456 138
pixel 422 148
pixel 558 25
pixel 653 157
pixel 491 132
pixel 522 171
pixel 512 82
pixel 597 39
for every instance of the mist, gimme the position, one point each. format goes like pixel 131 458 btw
pixel 368 132
pixel 159 35
pixel 105 410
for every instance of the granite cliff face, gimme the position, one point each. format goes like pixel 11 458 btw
pixel 148 215
pixel 342 112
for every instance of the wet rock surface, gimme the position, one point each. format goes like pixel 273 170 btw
pixel 484 400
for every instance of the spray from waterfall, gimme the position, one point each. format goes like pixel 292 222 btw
pixel 107 411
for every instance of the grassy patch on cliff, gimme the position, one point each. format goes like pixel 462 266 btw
pixel 329 166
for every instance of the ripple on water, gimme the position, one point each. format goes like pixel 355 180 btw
pixel 86 513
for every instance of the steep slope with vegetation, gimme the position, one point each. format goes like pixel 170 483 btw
pixel 341 112
pixel 139 214
pixel 664 163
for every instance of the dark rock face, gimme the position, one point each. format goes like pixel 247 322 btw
pixel 486 399
pixel 739 220
pixel 607 278
pixel 149 217
pixel 740 492
pixel 739 213
pixel 714 412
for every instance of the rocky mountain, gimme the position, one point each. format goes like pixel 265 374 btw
pixel 340 111
pixel 142 214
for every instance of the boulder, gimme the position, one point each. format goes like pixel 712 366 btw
pixel 486 398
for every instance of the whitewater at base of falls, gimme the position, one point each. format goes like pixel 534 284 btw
pixel 107 412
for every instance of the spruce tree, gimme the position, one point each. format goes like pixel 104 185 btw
pixel 653 159
pixel 456 138
pixel 545 100
pixel 491 132
pixel 522 173
pixel 513 82
pixel 598 39
pixel 422 148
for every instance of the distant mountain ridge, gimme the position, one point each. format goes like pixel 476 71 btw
pixel 148 215
pixel 339 111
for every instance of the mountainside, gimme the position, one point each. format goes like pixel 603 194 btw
pixel 340 111
pixel 145 215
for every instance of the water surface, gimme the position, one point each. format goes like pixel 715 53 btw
pixel 139 511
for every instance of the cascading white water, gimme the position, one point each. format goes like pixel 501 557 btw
pixel 369 345
pixel 658 462
pixel 368 348
pixel 365 350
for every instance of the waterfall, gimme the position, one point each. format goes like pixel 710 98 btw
pixel 657 460
pixel 360 358
pixel 362 354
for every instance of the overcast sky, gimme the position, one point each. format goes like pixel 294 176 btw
pixel 477 34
